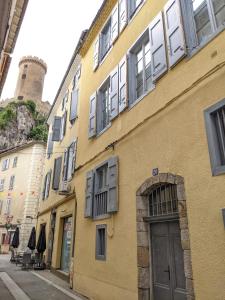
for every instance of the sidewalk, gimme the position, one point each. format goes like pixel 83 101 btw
pixel 16 284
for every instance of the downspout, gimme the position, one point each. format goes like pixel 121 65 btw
pixel 73 244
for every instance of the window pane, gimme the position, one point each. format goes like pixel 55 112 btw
pixel 106 39
pixel 202 21
pixel 219 10
pixel 105 106
pixel 139 73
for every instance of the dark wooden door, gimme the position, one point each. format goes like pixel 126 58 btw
pixel 168 262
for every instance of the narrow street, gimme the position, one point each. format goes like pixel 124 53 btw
pixel 16 284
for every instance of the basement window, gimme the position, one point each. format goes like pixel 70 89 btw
pixel 100 242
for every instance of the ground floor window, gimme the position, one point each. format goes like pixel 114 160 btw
pixel 66 244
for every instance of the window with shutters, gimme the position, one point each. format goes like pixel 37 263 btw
pixel 8 206
pixel 215 129
pixel 63 125
pixel 102 190
pixel 133 5
pixel 69 162
pixel 56 129
pixel 46 187
pixel 73 105
pixel 101 235
pixel 50 146
pixel 2 182
pixel 57 173
pixel 11 182
pixel 5 164
pixel 204 18
pixel 140 75
pixel 15 160
pixel 65 100
pixel 105 40
pixel 103 106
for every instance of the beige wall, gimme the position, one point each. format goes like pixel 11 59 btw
pixel 27 188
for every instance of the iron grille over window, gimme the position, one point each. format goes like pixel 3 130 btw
pixel 101 192
pixel 101 242
pixel 163 200
pixel 219 120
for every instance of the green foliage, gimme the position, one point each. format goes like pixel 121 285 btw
pixel 39 133
pixel 7 115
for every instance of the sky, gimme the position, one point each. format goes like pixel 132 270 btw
pixel 50 30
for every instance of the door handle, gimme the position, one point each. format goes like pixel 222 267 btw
pixel 168 271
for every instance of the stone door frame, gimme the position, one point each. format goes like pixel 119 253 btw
pixel 144 264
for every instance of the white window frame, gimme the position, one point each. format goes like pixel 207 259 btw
pixel 190 30
pixel 99 112
pixel 11 182
pixel 2 183
pixel 15 161
pixel 5 164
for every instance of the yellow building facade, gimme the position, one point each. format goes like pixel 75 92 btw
pixel 144 175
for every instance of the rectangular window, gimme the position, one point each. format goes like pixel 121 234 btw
pixel 208 17
pixel 2 182
pixel 101 192
pixel 103 112
pixel 140 75
pixel 133 6
pixel 11 182
pixel 215 128
pixel 101 242
pixel 46 187
pixel 8 206
pixel 1 204
pixel 5 164
pixel 15 160
pixel 105 39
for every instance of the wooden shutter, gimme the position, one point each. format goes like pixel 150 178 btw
pixel 114 103
pixel 92 115
pixel 57 173
pixel 44 188
pixel 65 164
pixel 122 14
pixel 96 53
pixel 123 84
pixel 64 123
pixel 157 46
pixel 174 32
pixel 89 194
pixel 112 203
pixel 114 24
pixel 73 105
pixel 74 156
pixel 48 183
pixel 50 145
pixel 56 129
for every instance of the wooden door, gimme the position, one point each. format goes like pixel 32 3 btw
pixel 168 263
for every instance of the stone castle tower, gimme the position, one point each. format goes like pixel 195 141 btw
pixel 31 78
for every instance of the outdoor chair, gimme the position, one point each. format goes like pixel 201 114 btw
pixel 26 261
pixel 19 258
pixel 39 262
pixel 12 258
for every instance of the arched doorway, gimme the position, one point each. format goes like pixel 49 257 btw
pixel 163 245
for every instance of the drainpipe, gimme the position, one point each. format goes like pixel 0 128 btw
pixel 73 244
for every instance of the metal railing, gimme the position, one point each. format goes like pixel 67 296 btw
pixel 100 204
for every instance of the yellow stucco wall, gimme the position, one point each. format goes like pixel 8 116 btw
pixel 170 135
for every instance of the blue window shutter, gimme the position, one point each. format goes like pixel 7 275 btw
pixel 92 115
pixel 73 105
pixel 48 182
pixel 50 146
pixel 89 194
pixel 114 24
pixel 96 53
pixel 57 173
pixel 123 100
pixel 158 49
pixel 112 203
pixel 174 32
pixel 56 129
pixel 114 97
pixel 122 14
pixel 65 165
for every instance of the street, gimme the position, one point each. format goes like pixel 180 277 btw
pixel 16 284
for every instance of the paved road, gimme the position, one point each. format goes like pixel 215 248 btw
pixel 16 284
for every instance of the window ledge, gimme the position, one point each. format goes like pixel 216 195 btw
pixel 205 43
pixel 105 56
pixel 103 130
pixel 141 98
pixel 102 217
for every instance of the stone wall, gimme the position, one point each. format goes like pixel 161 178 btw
pixel 16 132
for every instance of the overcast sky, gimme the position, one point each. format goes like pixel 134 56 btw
pixel 50 30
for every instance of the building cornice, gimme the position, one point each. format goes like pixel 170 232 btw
pixel 20 147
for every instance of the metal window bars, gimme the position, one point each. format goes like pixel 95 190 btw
pixel 163 200
pixel 100 204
